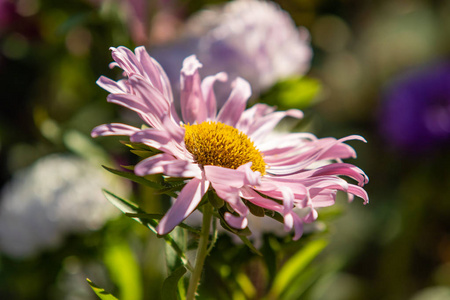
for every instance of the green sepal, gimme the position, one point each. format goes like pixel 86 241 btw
pixel 100 292
pixel 254 209
pixel 215 200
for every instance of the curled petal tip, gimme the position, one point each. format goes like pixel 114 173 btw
pixel 190 65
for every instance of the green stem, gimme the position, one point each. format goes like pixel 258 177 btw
pixel 201 252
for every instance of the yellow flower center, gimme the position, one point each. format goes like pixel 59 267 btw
pixel 218 144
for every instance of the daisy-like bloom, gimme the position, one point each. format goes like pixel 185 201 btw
pixel 227 151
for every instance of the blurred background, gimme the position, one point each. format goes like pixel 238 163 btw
pixel 380 69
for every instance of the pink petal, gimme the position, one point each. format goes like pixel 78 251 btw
pixel 231 196
pixel 208 93
pixel 265 125
pixel 153 71
pixel 232 110
pixel 258 200
pixel 168 165
pixel 342 169
pixel 151 137
pixel 110 85
pixel 134 103
pixel 191 99
pixel 358 191
pixel 186 202
pixel 113 129
pixel 150 96
pixel 126 60
pixel 288 198
pixel 249 116
pixel 236 222
pixel 234 178
pixel 297 163
pixel 292 220
pixel 252 178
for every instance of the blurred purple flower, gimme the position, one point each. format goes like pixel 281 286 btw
pixel 252 39
pixel 415 115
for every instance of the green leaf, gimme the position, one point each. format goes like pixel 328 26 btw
pixel 169 288
pixel 101 293
pixel 250 245
pixel 215 200
pixel 254 209
pixel 159 217
pixel 295 266
pixel 142 180
pixel 139 146
pixel 123 268
pixel 129 208
pixel 143 153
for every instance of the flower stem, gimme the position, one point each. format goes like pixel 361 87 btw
pixel 201 252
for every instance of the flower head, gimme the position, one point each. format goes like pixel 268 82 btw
pixel 230 151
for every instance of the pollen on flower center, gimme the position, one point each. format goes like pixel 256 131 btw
pixel 218 144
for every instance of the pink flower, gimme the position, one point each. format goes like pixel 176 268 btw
pixel 232 151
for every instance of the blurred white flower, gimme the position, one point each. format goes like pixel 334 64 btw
pixel 252 39
pixel 56 196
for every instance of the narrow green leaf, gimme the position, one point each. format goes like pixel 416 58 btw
pixel 169 288
pixel 294 267
pixel 141 180
pixel 100 292
pixel 159 217
pixel 123 269
pixel 139 146
pixel 250 245
pixel 129 208
pixel 143 153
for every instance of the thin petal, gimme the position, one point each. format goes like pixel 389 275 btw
pixel 232 110
pixel 186 202
pixel 110 85
pixel 264 126
pixel 231 196
pixel 166 164
pixel 153 71
pixel 150 96
pixel 151 137
pixel 113 129
pixel 239 222
pixel 234 178
pixel 258 200
pixel 134 103
pixel 208 93
pixel 191 99
pixel 126 60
